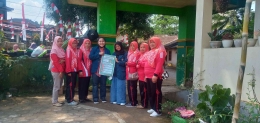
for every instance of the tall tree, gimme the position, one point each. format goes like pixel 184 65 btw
pixel 136 25
pixel 242 61
pixel 70 12
pixel 165 24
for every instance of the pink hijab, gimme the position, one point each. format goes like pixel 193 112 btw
pixel 142 56
pixel 72 52
pixel 159 48
pixel 133 54
pixel 86 52
pixel 57 50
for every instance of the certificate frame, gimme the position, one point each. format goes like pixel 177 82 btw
pixel 107 65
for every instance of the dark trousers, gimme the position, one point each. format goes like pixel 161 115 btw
pixel 83 87
pixel 143 93
pixel 132 91
pixel 70 86
pixel 99 80
pixel 155 94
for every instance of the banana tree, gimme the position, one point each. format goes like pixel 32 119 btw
pixel 242 61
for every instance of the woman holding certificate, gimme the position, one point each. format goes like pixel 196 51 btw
pixel 153 70
pixel 84 64
pixel 131 73
pixel 95 56
pixel 118 86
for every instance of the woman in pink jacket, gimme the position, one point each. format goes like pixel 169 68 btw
pixel 71 70
pixel 57 68
pixel 140 70
pixel 84 64
pixel 132 57
pixel 153 70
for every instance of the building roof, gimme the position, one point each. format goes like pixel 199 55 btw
pixel 166 39
pixel 171 45
pixel 169 42
pixel 5 8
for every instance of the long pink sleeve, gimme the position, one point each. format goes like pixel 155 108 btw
pixel 159 63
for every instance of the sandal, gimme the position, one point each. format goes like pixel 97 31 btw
pixel 57 104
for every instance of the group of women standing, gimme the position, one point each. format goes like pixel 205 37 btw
pixel 85 62
pixel 148 64
pixel 80 64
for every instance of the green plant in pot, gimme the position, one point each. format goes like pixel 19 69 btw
pixel 216 104
pixel 238 39
pixel 215 37
pixel 227 40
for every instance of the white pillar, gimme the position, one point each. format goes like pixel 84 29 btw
pixel 257 19
pixel 17 38
pixel 203 26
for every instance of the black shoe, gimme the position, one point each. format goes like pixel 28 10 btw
pixel 87 100
pixel 82 101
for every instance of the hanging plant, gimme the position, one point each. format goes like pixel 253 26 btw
pixel 221 5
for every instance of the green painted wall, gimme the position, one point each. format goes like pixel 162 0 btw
pixel 149 9
pixel 186 42
pixel 106 21
pixel 187 23
pixel 106 17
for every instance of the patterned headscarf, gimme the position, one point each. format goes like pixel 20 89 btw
pixel 74 52
pixel 133 53
pixel 86 52
pixel 159 48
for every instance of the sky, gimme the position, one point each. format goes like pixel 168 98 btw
pixel 34 10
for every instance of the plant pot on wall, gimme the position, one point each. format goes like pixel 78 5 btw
pixel 227 40
pixel 251 42
pixel 238 42
pixel 227 43
pixel 215 44
pixel 257 43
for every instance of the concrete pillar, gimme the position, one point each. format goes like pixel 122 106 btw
pixel 17 38
pixel 203 26
pixel 257 20
pixel 106 22
pixel 185 43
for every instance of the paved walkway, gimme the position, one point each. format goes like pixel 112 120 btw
pixel 38 109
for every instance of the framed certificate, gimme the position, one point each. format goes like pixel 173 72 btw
pixel 107 65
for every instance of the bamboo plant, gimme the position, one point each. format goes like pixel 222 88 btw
pixel 242 61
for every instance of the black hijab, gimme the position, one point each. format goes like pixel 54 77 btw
pixel 121 52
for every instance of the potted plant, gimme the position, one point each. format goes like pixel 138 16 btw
pixel 221 5
pixel 215 39
pixel 251 41
pixel 227 40
pixel 238 39
pixel 257 36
